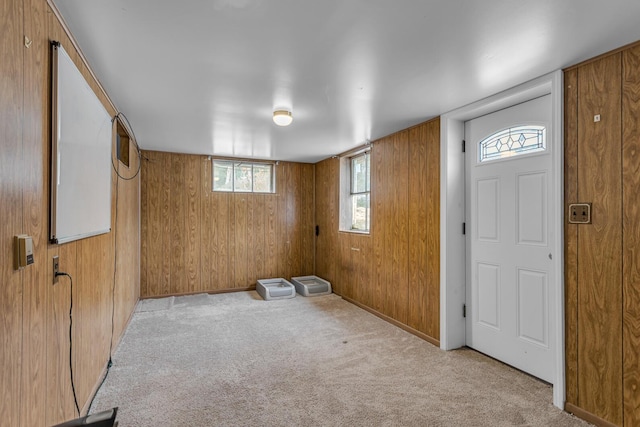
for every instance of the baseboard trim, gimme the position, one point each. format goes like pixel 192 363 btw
pixel 587 416
pixel 394 322
pixel 210 292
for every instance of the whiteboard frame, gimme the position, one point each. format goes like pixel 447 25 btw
pixel 57 54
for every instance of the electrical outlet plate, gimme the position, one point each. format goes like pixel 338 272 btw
pixel 580 213
pixel 56 268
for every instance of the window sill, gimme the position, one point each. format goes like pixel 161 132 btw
pixel 366 233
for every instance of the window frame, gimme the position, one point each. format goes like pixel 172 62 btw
pixel 367 190
pixel 349 194
pixel 236 163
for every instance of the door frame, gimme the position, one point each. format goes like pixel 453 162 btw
pixel 452 213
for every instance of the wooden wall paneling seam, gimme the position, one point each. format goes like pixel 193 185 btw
pixel 312 214
pixel 385 219
pixel 400 218
pixel 334 196
pixel 377 223
pixel 284 218
pixel 271 232
pixel 240 239
pixel 210 269
pixel 571 233
pixel 206 218
pixel 148 229
pixel 223 201
pixel 144 230
pixel 193 176
pixel 416 229
pixel 252 213
pixel 296 219
pixel 177 224
pixel 334 211
pixel 599 298
pixel 260 241
pixel 631 234
pixel 166 266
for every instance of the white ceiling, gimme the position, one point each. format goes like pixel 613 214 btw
pixel 205 76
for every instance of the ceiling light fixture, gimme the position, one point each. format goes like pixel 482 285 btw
pixel 282 117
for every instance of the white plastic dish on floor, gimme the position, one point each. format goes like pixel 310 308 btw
pixel 309 286
pixel 272 289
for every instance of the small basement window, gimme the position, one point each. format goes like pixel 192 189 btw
pixel 243 177
pixel 355 194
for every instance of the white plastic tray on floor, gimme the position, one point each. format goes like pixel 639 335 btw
pixel 272 289
pixel 310 286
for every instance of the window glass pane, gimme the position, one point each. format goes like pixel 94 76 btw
pixel 262 178
pixel 368 164
pixel 360 212
pixel 242 177
pixel 222 176
pixel 359 174
pixel 511 142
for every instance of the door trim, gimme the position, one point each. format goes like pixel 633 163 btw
pixel 452 213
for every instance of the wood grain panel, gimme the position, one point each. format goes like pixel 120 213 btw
pixel 225 277
pixel 35 213
pixel 92 287
pixel 417 309
pixel 432 225
pixel 631 233
pixel 60 405
pixel 144 230
pixel 378 205
pixel 293 221
pixel 178 201
pixel 307 219
pixel 386 220
pixel 193 176
pixel 571 234
pixel 240 238
pixel 600 263
pixel 361 275
pixel 271 234
pixel 208 248
pixel 11 160
pixel 252 202
pixel 398 288
pixel 259 246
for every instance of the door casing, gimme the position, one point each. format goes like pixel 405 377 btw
pixel 452 213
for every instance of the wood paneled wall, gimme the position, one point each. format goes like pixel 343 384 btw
pixel 35 385
pixel 197 240
pixel 602 274
pixel 395 270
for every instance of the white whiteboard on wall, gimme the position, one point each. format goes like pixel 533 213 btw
pixel 80 155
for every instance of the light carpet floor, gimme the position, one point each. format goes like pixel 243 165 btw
pixel 236 360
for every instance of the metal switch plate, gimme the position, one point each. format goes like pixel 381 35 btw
pixel 56 268
pixel 580 213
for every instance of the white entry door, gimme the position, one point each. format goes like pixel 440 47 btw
pixel 510 293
